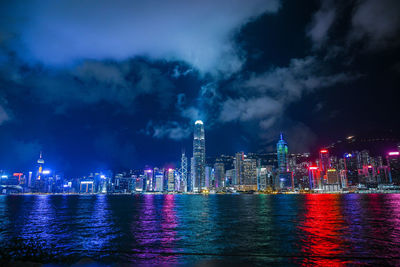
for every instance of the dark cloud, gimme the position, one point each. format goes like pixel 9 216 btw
pixel 322 22
pixel 271 92
pixel 91 82
pixel 3 115
pixel 376 21
pixel 171 129
pixel 199 33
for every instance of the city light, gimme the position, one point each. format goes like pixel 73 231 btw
pixel 4 176
pixel 102 176
pixel 46 172
pixel 324 151
pixel 313 168
pixel 394 153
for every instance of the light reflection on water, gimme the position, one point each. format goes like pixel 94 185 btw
pixel 321 230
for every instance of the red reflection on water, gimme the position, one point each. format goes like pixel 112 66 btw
pixel 322 244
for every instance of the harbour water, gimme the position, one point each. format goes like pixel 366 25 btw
pixel 201 230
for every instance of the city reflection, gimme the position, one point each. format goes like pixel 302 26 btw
pixel 155 230
pixel 322 228
pixel 39 225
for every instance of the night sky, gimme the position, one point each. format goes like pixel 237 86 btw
pixel 118 84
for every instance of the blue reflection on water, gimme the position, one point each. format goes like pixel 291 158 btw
pixel 320 230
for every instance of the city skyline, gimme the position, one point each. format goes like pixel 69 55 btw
pixel 277 172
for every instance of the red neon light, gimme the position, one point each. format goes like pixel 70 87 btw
pixel 17 174
pixel 324 151
pixel 394 153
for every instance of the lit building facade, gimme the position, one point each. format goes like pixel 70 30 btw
pixel 199 156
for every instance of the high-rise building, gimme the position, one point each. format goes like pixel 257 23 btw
pixel 219 175
pixel 40 162
pixel 238 165
pixel 315 177
pixel 282 152
pixel 229 177
pixel 191 184
pixel 183 174
pixel 249 175
pixel 351 168
pixel 159 178
pixel 324 164
pixel 393 159
pixel 171 180
pixel 149 180
pixel 285 176
pixel 210 179
pixel 199 156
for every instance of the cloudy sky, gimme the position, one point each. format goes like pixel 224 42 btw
pixel 118 84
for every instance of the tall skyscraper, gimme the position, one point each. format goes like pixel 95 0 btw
pixel 199 156
pixel 249 175
pixel 324 163
pixel 40 162
pixel 282 151
pixel 393 159
pixel 285 177
pixel 171 180
pixel 219 174
pixel 238 165
pixel 183 173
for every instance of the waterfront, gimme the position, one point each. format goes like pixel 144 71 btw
pixel 321 229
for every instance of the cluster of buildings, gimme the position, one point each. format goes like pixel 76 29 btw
pixel 279 171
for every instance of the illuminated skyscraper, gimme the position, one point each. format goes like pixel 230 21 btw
pixel 285 177
pixel 171 180
pixel 199 156
pixel 219 174
pixel 324 164
pixel 282 151
pixel 249 175
pixel 183 174
pixel 393 159
pixel 40 162
pixel 238 164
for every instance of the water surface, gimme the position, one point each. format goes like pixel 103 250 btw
pixel 324 229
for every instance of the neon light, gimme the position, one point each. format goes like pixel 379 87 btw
pixel 148 171
pixel 331 170
pixel 4 176
pixel 46 171
pixel 394 153
pixel 102 176
pixel 348 155
pixel 369 166
pixel 170 170
pixel 198 122
pixel 17 174
pixel 324 151
pixel 313 168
